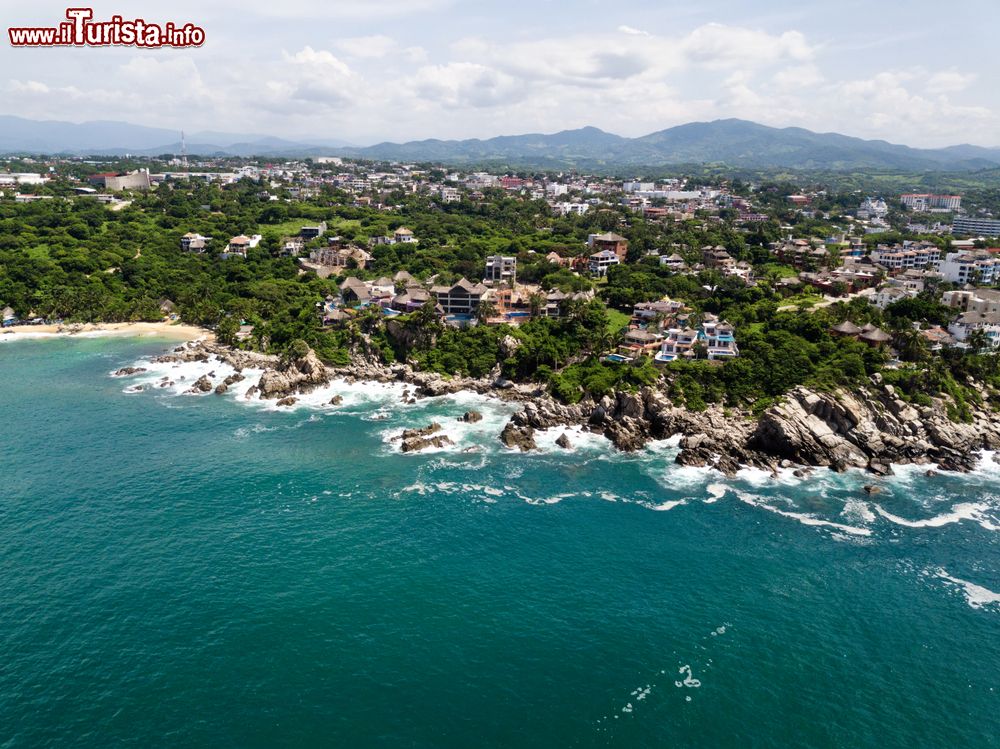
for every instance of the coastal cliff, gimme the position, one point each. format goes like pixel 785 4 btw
pixel 870 427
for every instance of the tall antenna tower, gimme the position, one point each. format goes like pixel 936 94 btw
pixel 184 153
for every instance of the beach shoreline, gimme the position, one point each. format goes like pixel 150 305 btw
pixel 175 331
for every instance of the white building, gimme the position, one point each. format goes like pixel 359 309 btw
pixel 976 227
pixel 599 262
pixel 970 321
pixel 500 269
pixel 970 268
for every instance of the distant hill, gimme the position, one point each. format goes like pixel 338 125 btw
pixel 734 143
pixel 19 135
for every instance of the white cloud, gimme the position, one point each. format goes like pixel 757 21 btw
pixel 949 81
pixel 375 46
pixel 631 31
pixel 718 46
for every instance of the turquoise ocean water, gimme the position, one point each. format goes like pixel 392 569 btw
pixel 203 571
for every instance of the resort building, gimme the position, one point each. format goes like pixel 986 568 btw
pixel 967 322
pixel 500 269
pixel 610 242
pixel 461 298
pixel 192 242
pixel 970 268
pixel 599 262
pixel 975 227
pixel 715 339
pixel 238 246
pixel 985 301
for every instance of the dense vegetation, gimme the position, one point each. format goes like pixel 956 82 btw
pixel 77 260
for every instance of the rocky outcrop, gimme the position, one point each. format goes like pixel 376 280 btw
pixel 203 385
pixel 293 376
pixel 870 428
pixel 471 417
pixel 415 440
pixel 290 400
pixel 518 437
pixel 129 371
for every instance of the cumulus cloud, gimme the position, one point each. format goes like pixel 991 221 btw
pixel 296 69
pixel 949 81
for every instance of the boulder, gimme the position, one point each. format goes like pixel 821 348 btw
pixel 410 434
pixel 290 400
pixel 203 385
pixel 129 371
pixel 416 444
pixel 564 442
pixel 293 376
pixel 221 388
pixel 520 437
pixel 471 417
pixel 336 400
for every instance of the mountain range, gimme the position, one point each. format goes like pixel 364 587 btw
pixel 734 143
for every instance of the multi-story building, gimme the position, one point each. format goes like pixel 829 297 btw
pixel 500 269
pixel 984 301
pixel 923 202
pixel 976 227
pixel 970 267
pixel 461 298
pixel 599 262
pixel 902 258
pixel 717 336
pixel 611 242
pixel 967 322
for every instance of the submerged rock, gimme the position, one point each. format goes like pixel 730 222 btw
pixel 129 371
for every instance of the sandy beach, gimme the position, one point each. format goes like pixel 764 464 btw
pixel 177 331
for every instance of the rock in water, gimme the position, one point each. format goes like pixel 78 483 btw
pixel 427 431
pixel 471 417
pixel 336 400
pixel 869 490
pixel 416 444
pixel 564 442
pixel 203 385
pixel 129 371
pixel 523 438
pixel 288 401
pixel 221 388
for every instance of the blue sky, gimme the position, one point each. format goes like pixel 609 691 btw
pixel 920 73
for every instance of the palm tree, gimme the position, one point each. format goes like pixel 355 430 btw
pixel 911 345
pixel 978 341
pixel 485 310
pixel 536 304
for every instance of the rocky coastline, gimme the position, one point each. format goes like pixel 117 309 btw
pixel 868 428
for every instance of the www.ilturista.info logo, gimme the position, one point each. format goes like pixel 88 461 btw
pixel 80 30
